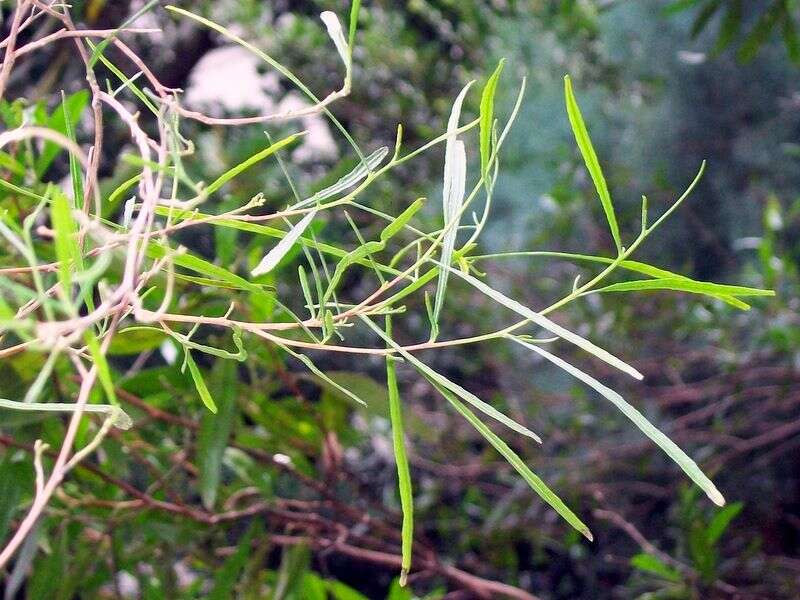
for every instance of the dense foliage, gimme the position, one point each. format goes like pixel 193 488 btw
pixel 258 343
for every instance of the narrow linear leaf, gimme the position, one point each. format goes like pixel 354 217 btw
pixel 100 362
pixel 355 8
pixel 265 230
pixel 226 577
pixel 533 480
pixel 368 248
pixel 661 440
pixel 200 383
pixel 760 32
pixel 74 165
pixel 350 179
pixel 487 118
pixel 549 325
pixel 704 16
pixel 274 256
pixel 401 460
pixel 455 177
pixel 590 158
pixel 215 429
pixel 467 396
pixel 119 418
pixel 681 284
pixel 321 374
pixel 66 245
pixel 249 162
pixel 393 228
pixel 204 267
pixel 73 106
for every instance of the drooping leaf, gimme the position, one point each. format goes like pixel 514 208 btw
pixel 215 429
pixel 336 34
pixel 401 461
pixel 549 325
pixel 444 382
pixel 661 440
pixel 533 480
pixel 228 575
pixel 200 384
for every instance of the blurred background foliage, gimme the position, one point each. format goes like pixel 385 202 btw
pixel 664 85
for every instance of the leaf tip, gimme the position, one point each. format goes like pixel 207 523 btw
pixel 716 496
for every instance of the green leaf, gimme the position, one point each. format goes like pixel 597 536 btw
pixel 639 267
pixel 359 255
pixel 341 591
pixel 264 230
pixel 650 564
pixel 215 429
pixel 681 284
pixel 401 220
pixel 295 562
pixel 704 16
pixel 200 383
pixel 66 243
pixel 679 6
pixel 533 480
pixel 730 26
pixel 487 119
pixel 202 266
pixel 101 364
pixel 313 587
pixel 319 373
pixel 49 570
pixel 401 460
pixel 355 7
pixel 441 380
pixel 790 37
pixel 545 323
pixel 590 158
pixel 73 106
pixel 359 172
pixel 246 164
pixel 661 440
pixel 12 480
pixel 74 165
pixel 719 524
pixel 758 35
pixel 227 576
pixel 397 591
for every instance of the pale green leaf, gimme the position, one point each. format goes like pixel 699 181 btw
pixel 661 440
pixel 590 158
